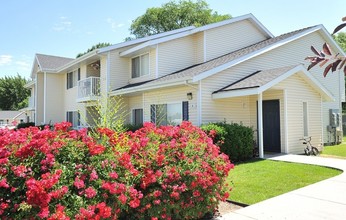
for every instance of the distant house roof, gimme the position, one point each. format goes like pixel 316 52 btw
pixel 51 63
pixel 11 115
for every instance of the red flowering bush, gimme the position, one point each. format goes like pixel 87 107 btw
pixel 153 173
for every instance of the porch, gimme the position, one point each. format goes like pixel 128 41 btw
pixel 88 89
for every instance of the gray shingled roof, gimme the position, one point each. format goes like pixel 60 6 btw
pixel 195 70
pixel 257 79
pixel 49 62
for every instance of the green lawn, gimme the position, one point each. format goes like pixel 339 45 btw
pixel 259 180
pixel 335 151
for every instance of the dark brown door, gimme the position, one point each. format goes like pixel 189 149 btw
pixel 271 126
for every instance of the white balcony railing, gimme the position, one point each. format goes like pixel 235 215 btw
pixel 88 89
pixel 31 104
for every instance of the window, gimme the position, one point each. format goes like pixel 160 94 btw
pixel 305 118
pixel 72 78
pixel 172 114
pixel 137 116
pixel 74 118
pixel 140 66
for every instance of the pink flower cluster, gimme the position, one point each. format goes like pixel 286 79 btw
pixel 150 173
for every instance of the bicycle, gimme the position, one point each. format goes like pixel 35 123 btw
pixel 309 150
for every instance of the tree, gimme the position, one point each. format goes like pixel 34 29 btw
pixel 341 40
pixel 335 61
pixel 94 47
pixel 13 95
pixel 174 15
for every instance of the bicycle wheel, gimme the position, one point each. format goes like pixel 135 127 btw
pixel 307 152
pixel 315 151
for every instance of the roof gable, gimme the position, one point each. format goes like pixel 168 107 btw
pixel 51 63
pixel 158 40
pixel 261 81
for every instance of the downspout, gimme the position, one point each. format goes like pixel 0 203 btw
pixel 44 96
pixel 199 105
pixel 108 72
pixel 35 99
pixel 260 125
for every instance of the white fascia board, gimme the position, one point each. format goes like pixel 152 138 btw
pixel 318 86
pixel 254 91
pixel 145 87
pixel 144 39
pixel 281 78
pixel 78 60
pixel 331 40
pixel 250 17
pixel 251 55
pixel 30 84
pixel 235 93
pixel 151 43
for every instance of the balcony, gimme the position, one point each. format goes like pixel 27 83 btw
pixel 88 89
pixel 31 103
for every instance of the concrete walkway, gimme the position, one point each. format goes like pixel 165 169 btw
pixel 322 200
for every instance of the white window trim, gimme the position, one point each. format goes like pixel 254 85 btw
pixel 74 76
pixel 132 115
pixel 169 103
pixel 307 119
pixel 140 76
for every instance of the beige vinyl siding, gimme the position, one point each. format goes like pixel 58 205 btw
pixel 39 99
pixel 295 87
pixel 231 110
pixel 119 69
pixel 170 96
pixel 103 75
pixel 134 102
pixel 292 53
pixel 175 55
pixel 228 38
pixel 54 98
pixel 198 39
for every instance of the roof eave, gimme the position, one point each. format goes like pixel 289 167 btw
pixel 326 95
pixel 78 60
pixel 145 87
pixel 253 54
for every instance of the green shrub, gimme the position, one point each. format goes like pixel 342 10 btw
pixel 233 139
pixel 25 125
pixel 132 127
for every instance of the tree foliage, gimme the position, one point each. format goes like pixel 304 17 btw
pixel 174 15
pixel 341 40
pixel 94 47
pixel 13 95
pixel 325 56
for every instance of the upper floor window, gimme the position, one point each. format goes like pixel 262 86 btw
pixel 140 66
pixel 72 78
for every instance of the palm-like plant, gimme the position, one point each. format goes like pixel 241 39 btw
pixel 335 61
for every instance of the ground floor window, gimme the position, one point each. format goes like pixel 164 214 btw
pixel 137 116
pixel 74 118
pixel 169 114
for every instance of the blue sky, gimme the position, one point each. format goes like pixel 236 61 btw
pixel 68 27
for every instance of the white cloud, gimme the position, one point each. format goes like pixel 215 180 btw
pixel 23 64
pixel 63 25
pixel 5 59
pixel 114 24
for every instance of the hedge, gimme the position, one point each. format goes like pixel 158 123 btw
pixel 234 140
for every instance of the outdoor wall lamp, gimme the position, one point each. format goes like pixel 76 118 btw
pixel 189 96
